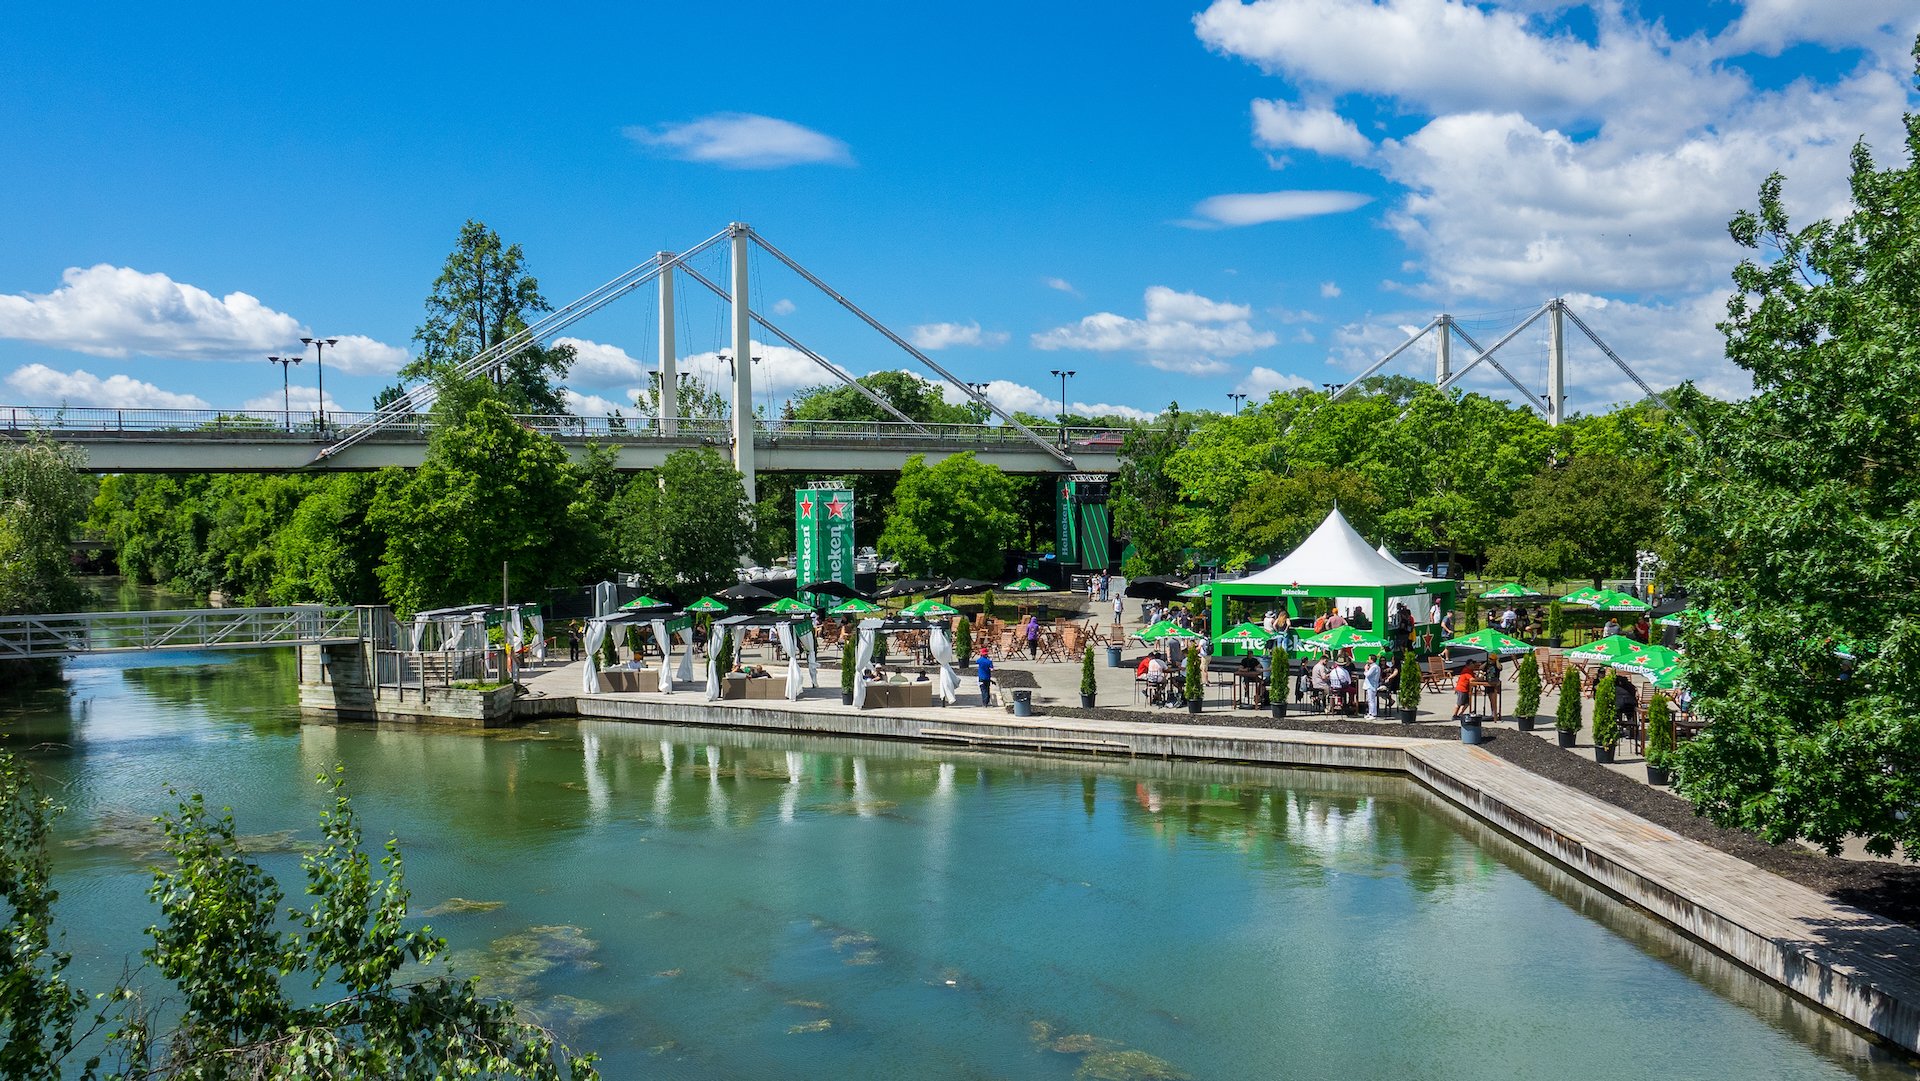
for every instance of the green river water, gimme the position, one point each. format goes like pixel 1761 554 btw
pixel 710 904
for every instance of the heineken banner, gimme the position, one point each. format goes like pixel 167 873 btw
pixel 1082 527
pixel 823 538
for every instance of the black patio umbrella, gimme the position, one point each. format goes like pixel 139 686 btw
pixel 904 587
pixel 833 589
pixel 745 593
pixel 964 585
pixel 1156 587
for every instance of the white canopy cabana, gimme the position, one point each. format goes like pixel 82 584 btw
pixel 1335 562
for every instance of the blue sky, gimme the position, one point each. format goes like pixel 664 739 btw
pixel 1176 201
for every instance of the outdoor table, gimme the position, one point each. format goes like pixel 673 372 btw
pixel 1249 689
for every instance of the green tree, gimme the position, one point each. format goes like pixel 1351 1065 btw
pixel 1798 508
pixel 950 518
pixel 1281 509
pixel 326 551
pixel 694 398
pixel 1527 701
pixel 688 523
pixel 1146 500
pixel 1584 518
pixel 40 1012
pixel 918 398
pixel 1566 715
pixel 43 499
pixel 489 492
pixel 483 296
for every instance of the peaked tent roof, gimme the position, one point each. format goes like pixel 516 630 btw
pixel 1335 555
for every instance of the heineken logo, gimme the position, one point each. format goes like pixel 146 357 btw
pixel 806 508
pixel 1293 593
pixel 835 508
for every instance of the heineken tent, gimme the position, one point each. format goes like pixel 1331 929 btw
pixel 664 625
pixel 1336 563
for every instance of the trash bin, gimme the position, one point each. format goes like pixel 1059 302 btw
pixel 1471 730
pixel 1113 657
pixel 1023 704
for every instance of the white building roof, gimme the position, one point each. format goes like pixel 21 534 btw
pixel 1335 555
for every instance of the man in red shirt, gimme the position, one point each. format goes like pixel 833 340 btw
pixel 1462 691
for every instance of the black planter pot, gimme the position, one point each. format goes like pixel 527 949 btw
pixel 1658 776
pixel 846 698
pixel 1278 707
pixel 1407 714
pixel 1193 706
pixel 1603 755
pixel 1566 738
pixel 1086 701
pixel 1525 723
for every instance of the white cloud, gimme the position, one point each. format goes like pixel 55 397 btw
pixel 783 306
pixel 1261 382
pixel 112 311
pixel 592 405
pixel 1329 290
pixel 1258 208
pixel 596 364
pixel 37 384
pixel 298 400
pixel 932 336
pixel 782 370
pixel 1281 125
pixel 744 141
pixel 1060 285
pixel 1769 27
pixel 1020 398
pixel 1182 332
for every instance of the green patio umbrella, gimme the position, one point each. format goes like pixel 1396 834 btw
pixel 787 606
pixel 1201 590
pixel 929 609
pixel 1581 598
pixel 1491 641
pixel 1673 675
pixel 644 601
pixel 1246 634
pixel 1510 591
pixel 1344 638
pixel 1153 632
pixel 854 607
pixel 1623 652
pixel 1612 600
pixel 1680 619
pixel 1027 585
pixel 707 605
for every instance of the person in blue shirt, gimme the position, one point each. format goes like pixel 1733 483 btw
pixel 985 666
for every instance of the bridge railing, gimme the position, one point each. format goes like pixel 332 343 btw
pixel 297 426
pixel 69 633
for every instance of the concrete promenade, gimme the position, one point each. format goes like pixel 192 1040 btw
pixel 1853 964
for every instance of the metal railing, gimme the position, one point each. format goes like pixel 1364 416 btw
pixel 69 634
pixel 277 426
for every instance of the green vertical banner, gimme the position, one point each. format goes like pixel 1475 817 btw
pixel 823 539
pixel 1063 542
pixel 1094 528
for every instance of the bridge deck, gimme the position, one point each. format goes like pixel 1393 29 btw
pixel 68 634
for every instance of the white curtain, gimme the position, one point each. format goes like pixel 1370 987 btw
pixel 940 644
pixel 590 676
pixel 606 599
pixel 539 636
pixel 785 632
pixel 686 659
pixel 713 662
pixel 516 633
pixel 860 661
pixel 419 630
pixel 665 640
pixel 813 658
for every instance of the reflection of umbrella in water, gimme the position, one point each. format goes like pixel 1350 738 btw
pixel 1027 585
pixel 831 588
pixel 1156 587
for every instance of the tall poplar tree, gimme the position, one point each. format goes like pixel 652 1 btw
pixel 483 296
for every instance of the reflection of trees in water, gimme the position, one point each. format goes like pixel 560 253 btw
pixel 250 686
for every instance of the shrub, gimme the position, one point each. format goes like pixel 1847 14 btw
pixel 1196 683
pixel 1087 685
pixel 633 641
pixel 723 656
pixel 986 604
pixel 963 640
pixel 1567 719
pixel 847 659
pixel 1276 677
pixel 1659 733
pixel 609 657
pixel 1409 681
pixel 1606 726
pixel 1528 702
pixel 1556 622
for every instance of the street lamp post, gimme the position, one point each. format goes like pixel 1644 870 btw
pixel 1237 399
pixel 286 408
pixel 1064 376
pixel 1331 387
pixel 320 362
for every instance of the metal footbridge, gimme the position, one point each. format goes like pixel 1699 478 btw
pixel 230 441
pixel 70 634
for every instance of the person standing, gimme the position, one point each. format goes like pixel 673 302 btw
pixel 1490 675
pixel 573 640
pixel 1106 584
pixel 1462 691
pixel 1375 679
pixel 1433 612
pixel 1118 610
pixel 984 666
pixel 1033 637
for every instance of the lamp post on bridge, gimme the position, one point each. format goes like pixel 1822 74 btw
pixel 319 360
pixel 286 406
pixel 1064 376
pixel 1237 399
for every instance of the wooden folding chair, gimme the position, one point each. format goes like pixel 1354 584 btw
pixel 1433 674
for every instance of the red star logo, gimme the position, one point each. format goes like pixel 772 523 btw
pixel 806 508
pixel 835 508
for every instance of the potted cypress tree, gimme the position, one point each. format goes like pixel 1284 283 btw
pixel 609 655
pixel 1277 683
pixel 1606 726
pixel 1196 687
pixel 1527 703
pixel 986 604
pixel 723 657
pixel 963 640
pixel 1087 685
pixel 1659 741
pixel 1567 719
pixel 1556 624
pixel 847 659
pixel 1409 695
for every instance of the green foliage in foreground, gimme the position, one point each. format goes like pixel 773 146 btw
pixel 233 969
pixel 1409 696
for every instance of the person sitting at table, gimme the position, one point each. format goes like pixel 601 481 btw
pixel 1140 670
pixel 1626 702
pixel 1156 678
pixel 1490 675
pixel 1389 679
pixel 1612 628
pixel 1340 683
pixel 1321 679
